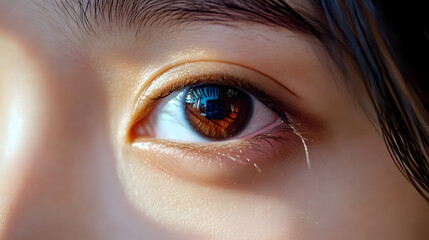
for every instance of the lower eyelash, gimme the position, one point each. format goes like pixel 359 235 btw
pixel 226 79
pixel 251 155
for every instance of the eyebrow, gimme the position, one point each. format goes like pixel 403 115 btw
pixel 88 14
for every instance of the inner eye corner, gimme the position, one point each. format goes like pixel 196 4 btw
pixel 216 106
pixel 134 130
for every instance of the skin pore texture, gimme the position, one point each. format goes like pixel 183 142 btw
pixel 71 168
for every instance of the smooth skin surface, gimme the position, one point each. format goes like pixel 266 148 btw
pixel 70 170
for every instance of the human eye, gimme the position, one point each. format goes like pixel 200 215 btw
pixel 210 112
pixel 213 120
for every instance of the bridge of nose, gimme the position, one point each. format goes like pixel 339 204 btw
pixel 57 166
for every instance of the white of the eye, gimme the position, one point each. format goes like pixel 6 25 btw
pixel 168 120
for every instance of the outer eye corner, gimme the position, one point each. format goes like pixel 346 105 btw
pixel 207 110
pixel 213 128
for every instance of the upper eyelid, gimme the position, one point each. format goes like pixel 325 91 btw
pixel 166 69
pixel 280 108
pixel 229 80
pixel 286 121
pixel 219 78
pixel 152 85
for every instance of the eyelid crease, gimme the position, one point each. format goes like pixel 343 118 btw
pixel 219 78
pixel 294 119
pixel 222 78
pixel 140 108
pixel 168 68
pixel 139 96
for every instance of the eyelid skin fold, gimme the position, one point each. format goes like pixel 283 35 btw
pixel 214 72
pixel 233 160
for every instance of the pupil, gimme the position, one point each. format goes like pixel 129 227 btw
pixel 217 112
pixel 216 109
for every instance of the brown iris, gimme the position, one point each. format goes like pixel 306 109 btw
pixel 217 112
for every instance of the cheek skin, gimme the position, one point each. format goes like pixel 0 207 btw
pixel 17 72
pixel 207 212
pixel 58 177
pixel 362 189
pixel 352 185
pixel 70 187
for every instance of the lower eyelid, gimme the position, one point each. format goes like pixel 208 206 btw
pixel 261 131
pixel 219 162
pixel 235 161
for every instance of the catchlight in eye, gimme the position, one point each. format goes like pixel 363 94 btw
pixel 212 125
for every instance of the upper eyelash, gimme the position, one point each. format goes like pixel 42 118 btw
pixel 276 106
pixel 228 79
